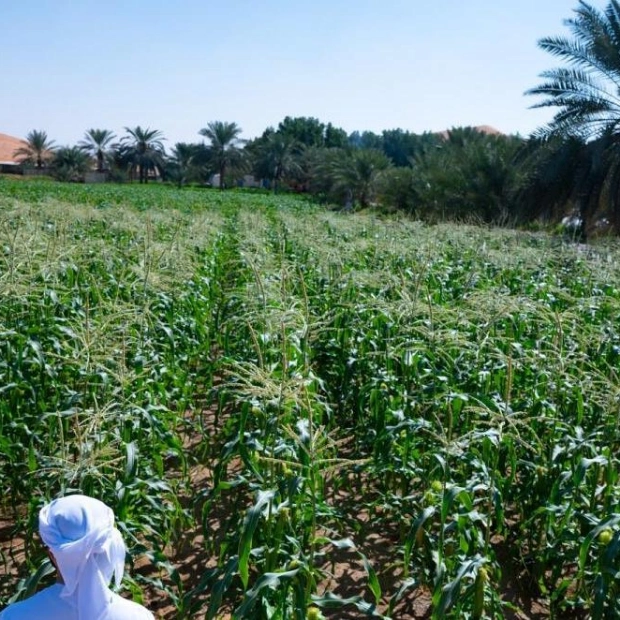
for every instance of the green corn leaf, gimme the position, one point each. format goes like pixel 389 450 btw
pixel 221 587
pixel 333 601
pixel 427 513
pixel 451 590
pixel 407 585
pixel 373 581
pixel 250 522
pixel 268 580
pixel 448 499
pixel 131 453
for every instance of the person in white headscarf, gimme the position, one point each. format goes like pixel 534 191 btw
pixel 87 550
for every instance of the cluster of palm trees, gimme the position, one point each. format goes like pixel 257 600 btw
pixel 140 154
pixel 570 167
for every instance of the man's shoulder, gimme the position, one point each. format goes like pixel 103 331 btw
pixel 46 603
pixel 49 604
pixel 124 609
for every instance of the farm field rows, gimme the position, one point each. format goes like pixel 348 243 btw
pixel 298 413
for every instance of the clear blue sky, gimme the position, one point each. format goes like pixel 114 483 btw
pixel 175 65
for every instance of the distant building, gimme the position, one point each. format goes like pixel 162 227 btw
pixel 8 161
pixel 247 180
pixel 96 177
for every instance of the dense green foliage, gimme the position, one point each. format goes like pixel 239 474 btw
pixel 468 176
pixel 451 391
pixel 585 93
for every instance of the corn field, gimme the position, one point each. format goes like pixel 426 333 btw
pixel 297 413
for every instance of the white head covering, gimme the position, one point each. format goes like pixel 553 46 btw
pixel 88 550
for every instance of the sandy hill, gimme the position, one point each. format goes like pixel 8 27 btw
pixel 487 129
pixel 8 145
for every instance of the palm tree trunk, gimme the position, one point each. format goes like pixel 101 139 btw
pixel 276 178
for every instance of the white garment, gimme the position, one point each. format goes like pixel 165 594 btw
pixel 49 604
pixel 88 550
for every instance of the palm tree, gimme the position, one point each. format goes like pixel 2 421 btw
pixel 587 93
pixel 184 163
pixel 70 163
pixel 359 173
pixel 143 149
pixel 95 142
pixel 318 165
pixel 38 149
pixel 224 146
pixel 276 157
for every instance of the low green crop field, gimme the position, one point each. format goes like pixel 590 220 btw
pixel 298 413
